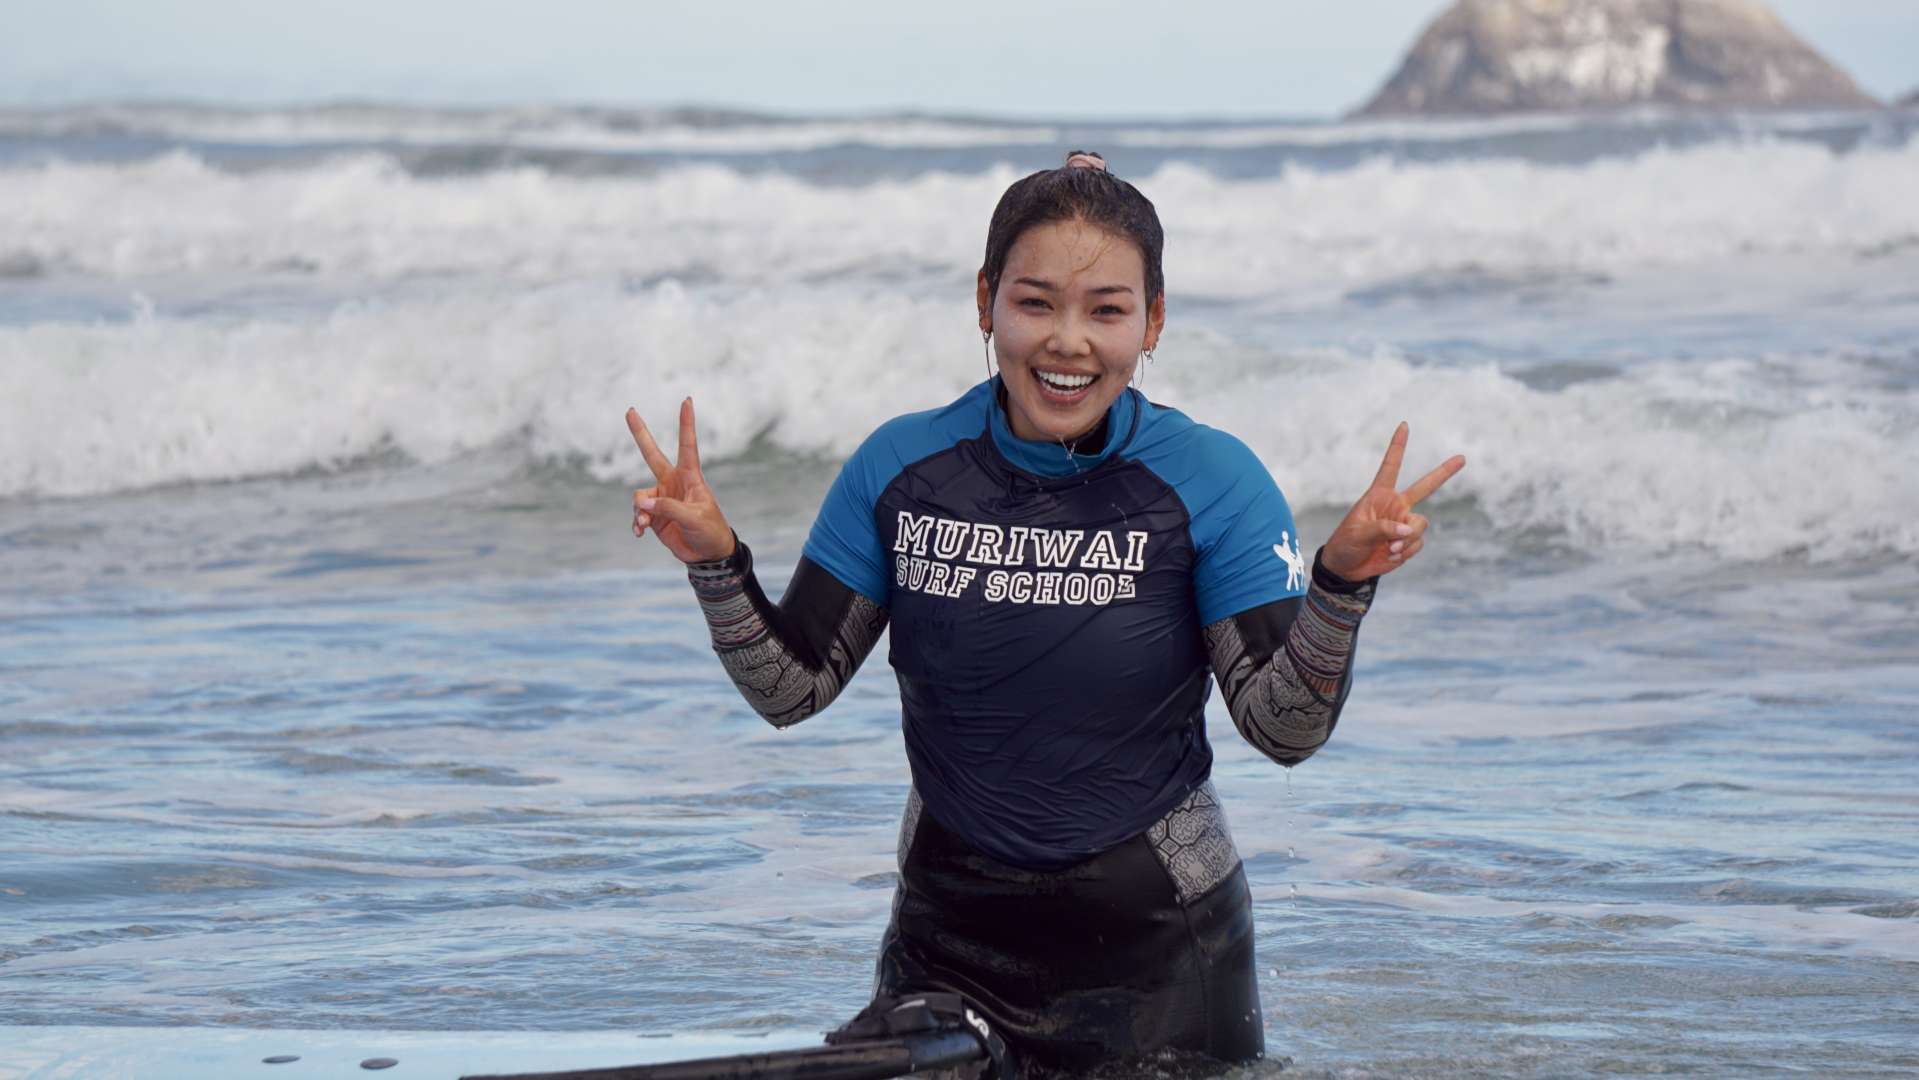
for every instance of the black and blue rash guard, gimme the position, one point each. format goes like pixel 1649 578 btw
pixel 1047 609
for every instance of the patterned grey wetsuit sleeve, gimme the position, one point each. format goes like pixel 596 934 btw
pixel 1286 705
pixel 1193 845
pixel 776 676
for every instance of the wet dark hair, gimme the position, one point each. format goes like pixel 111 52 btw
pixel 1076 193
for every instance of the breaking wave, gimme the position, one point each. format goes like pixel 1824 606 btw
pixel 1303 232
pixel 1734 455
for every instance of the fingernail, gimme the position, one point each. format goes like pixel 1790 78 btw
pixel 1398 546
pixel 646 504
pixel 1403 530
pixel 644 520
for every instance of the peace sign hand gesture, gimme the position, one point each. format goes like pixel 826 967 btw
pixel 679 508
pixel 1381 532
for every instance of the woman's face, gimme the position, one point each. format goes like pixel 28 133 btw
pixel 1068 325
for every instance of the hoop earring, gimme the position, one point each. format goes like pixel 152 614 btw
pixel 986 343
pixel 1139 370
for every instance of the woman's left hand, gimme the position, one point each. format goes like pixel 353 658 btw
pixel 1381 532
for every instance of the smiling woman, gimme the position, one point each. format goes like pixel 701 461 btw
pixel 1064 564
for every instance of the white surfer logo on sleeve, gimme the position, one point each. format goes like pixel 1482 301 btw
pixel 1295 564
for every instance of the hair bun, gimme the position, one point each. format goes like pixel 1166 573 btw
pixel 1084 159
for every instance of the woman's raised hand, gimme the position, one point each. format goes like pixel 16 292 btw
pixel 1381 532
pixel 679 508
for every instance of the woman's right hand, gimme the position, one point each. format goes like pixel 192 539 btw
pixel 679 508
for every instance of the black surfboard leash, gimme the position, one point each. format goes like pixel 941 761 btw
pixel 893 1036
pixel 877 1059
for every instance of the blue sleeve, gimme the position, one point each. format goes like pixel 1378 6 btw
pixel 1248 547
pixel 845 540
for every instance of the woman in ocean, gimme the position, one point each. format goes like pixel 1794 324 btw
pixel 1062 563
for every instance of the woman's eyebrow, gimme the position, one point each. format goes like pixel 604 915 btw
pixel 1042 283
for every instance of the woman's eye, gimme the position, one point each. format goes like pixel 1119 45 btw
pixel 1109 309
pixel 1034 302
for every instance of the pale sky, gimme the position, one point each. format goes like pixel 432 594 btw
pixel 1077 58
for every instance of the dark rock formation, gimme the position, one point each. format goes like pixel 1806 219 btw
pixel 1487 56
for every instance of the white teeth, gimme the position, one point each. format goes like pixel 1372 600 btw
pixel 1063 382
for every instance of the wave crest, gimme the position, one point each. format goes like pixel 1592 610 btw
pixel 1307 232
pixel 1733 456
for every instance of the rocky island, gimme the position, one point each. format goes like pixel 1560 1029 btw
pixel 1492 56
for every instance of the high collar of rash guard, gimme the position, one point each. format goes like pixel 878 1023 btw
pixel 1046 457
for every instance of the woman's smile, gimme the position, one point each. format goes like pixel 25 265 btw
pixel 1064 388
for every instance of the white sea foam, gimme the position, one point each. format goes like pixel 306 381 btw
pixel 1459 129
pixel 362 216
pixel 1730 456
pixel 528 127
pixel 716 131
pixel 1311 230
pixel 1734 456
pixel 1304 233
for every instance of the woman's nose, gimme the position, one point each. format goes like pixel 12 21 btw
pixel 1069 338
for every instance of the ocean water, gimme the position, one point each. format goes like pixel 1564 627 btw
pixel 334 692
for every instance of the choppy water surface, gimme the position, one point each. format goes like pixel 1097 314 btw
pixel 333 692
